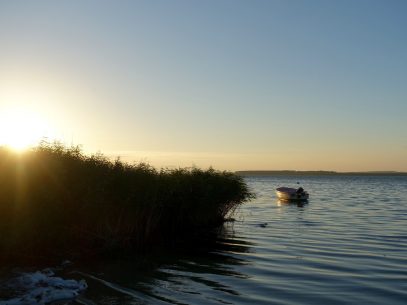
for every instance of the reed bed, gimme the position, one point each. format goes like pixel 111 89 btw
pixel 57 200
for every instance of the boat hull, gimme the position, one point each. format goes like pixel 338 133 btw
pixel 290 194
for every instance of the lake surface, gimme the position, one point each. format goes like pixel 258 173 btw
pixel 347 245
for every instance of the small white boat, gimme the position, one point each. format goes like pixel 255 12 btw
pixel 292 194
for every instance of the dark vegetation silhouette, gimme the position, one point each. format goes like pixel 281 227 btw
pixel 55 200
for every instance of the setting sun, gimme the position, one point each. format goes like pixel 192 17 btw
pixel 21 128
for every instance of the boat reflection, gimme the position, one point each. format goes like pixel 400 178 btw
pixel 298 203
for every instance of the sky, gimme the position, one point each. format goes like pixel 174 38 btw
pixel 237 85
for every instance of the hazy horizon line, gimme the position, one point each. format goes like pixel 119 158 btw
pixel 319 172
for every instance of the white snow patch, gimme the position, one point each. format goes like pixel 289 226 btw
pixel 43 287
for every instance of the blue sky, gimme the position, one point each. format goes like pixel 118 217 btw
pixel 232 84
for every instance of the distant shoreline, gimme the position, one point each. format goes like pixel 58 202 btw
pixel 316 173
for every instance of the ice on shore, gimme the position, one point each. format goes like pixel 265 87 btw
pixel 43 287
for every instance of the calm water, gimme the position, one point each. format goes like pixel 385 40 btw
pixel 348 245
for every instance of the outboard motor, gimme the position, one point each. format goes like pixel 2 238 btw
pixel 300 192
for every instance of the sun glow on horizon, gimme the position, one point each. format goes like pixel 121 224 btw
pixel 21 128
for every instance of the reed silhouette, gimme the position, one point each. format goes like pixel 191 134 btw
pixel 57 200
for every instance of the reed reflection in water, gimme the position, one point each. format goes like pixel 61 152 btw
pixel 196 276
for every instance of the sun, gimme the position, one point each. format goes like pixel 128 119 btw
pixel 21 128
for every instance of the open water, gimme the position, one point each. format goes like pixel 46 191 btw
pixel 347 245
